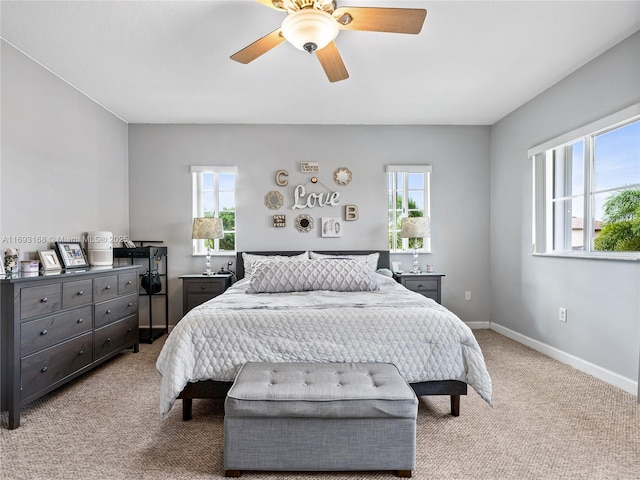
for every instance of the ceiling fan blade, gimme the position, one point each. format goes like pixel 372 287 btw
pixel 332 63
pixel 269 3
pixel 259 47
pixel 378 19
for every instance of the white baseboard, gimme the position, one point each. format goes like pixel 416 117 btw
pixel 623 383
pixel 479 325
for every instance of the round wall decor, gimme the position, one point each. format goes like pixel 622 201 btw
pixel 274 200
pixel 304 223
pixel 342 176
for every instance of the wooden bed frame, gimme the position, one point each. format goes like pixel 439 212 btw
pixel 212 389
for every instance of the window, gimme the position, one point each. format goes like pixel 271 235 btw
pixel 587 190
pixel 409 196
pixel 214 196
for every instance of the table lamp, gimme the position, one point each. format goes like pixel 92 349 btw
pixel 415 227
pixel 206 228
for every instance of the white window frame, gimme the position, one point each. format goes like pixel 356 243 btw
pixel 542 218
pixel 197 178
pixel 395 230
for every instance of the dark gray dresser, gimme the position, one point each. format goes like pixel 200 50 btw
pixel 55 327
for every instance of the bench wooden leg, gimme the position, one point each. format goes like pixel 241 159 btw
pixel 232 473
pixel 404 473
pixel 187 407
pixel 455 405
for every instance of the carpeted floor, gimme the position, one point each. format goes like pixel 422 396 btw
pixel 549 421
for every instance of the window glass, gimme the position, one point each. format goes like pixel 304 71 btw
pixel 214 196
pixel 592 194
pixel 408 197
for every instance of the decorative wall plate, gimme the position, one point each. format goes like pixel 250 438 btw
pixel 304 223
pixel 342 176
pixel 274 200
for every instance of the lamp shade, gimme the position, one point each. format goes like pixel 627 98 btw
pixel 310 29
pixel 415 227
pixel 206 227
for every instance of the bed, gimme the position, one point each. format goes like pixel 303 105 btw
pixel 332 307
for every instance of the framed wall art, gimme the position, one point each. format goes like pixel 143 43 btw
pixel 331 227
pixel 71 254
pixel 49 260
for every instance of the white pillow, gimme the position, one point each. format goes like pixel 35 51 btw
pixel 370 259
pixel 339 275
pixel 249 258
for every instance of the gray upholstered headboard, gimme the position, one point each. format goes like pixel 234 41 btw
pixel 383 261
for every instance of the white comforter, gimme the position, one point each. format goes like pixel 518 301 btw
pixel 423 339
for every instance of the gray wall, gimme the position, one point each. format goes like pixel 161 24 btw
pixel 64 160
pixel 160 194
pixel 602 297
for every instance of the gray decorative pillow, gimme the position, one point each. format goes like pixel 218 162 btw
pixel 339 275
pixel 370 259
pixel 249 258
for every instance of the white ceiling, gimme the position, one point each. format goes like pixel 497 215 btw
pixel 168 61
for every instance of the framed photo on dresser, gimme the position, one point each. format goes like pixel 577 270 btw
pixel 71 254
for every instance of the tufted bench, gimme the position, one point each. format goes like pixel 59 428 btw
pixel 320 417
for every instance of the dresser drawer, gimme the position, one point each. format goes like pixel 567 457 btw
pixel 77 293
pixel 127 283
pixel 113 310
pixel 53 364
pixel 105 288
pixel 419 284
pixel 207 287
pixel 116 336
pixel 40 300
pixel 44 332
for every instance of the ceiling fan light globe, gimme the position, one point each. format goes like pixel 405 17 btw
pixel 309 26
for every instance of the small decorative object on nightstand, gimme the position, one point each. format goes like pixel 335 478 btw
pixel 198 288
pixel 427 284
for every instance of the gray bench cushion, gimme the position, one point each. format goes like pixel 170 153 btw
pixel 321 390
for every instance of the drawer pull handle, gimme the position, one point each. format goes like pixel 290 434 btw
pixel 420 286
pixel 44 300
pixel 44 332
pixel 203 287
pixel 81 352
pixel 81 292
pixel 108 311
pixel 108 340
pixel 129 282
pixel 44 369
pixel 80 320
pixel 129 329
pixel 108 287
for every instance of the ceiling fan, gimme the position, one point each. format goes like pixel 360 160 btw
pixel 313 25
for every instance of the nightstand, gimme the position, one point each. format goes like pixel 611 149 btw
pixel 199 288
pixel 427 284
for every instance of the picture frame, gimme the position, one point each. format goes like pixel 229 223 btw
pixel 2 271
pixel 331 227
pixel 72 254
pixel 49 260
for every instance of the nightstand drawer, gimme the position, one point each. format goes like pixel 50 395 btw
pixel 216 286
pixel 419 284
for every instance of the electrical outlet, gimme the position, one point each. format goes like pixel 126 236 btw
pixel 467 295
pixel 562 314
